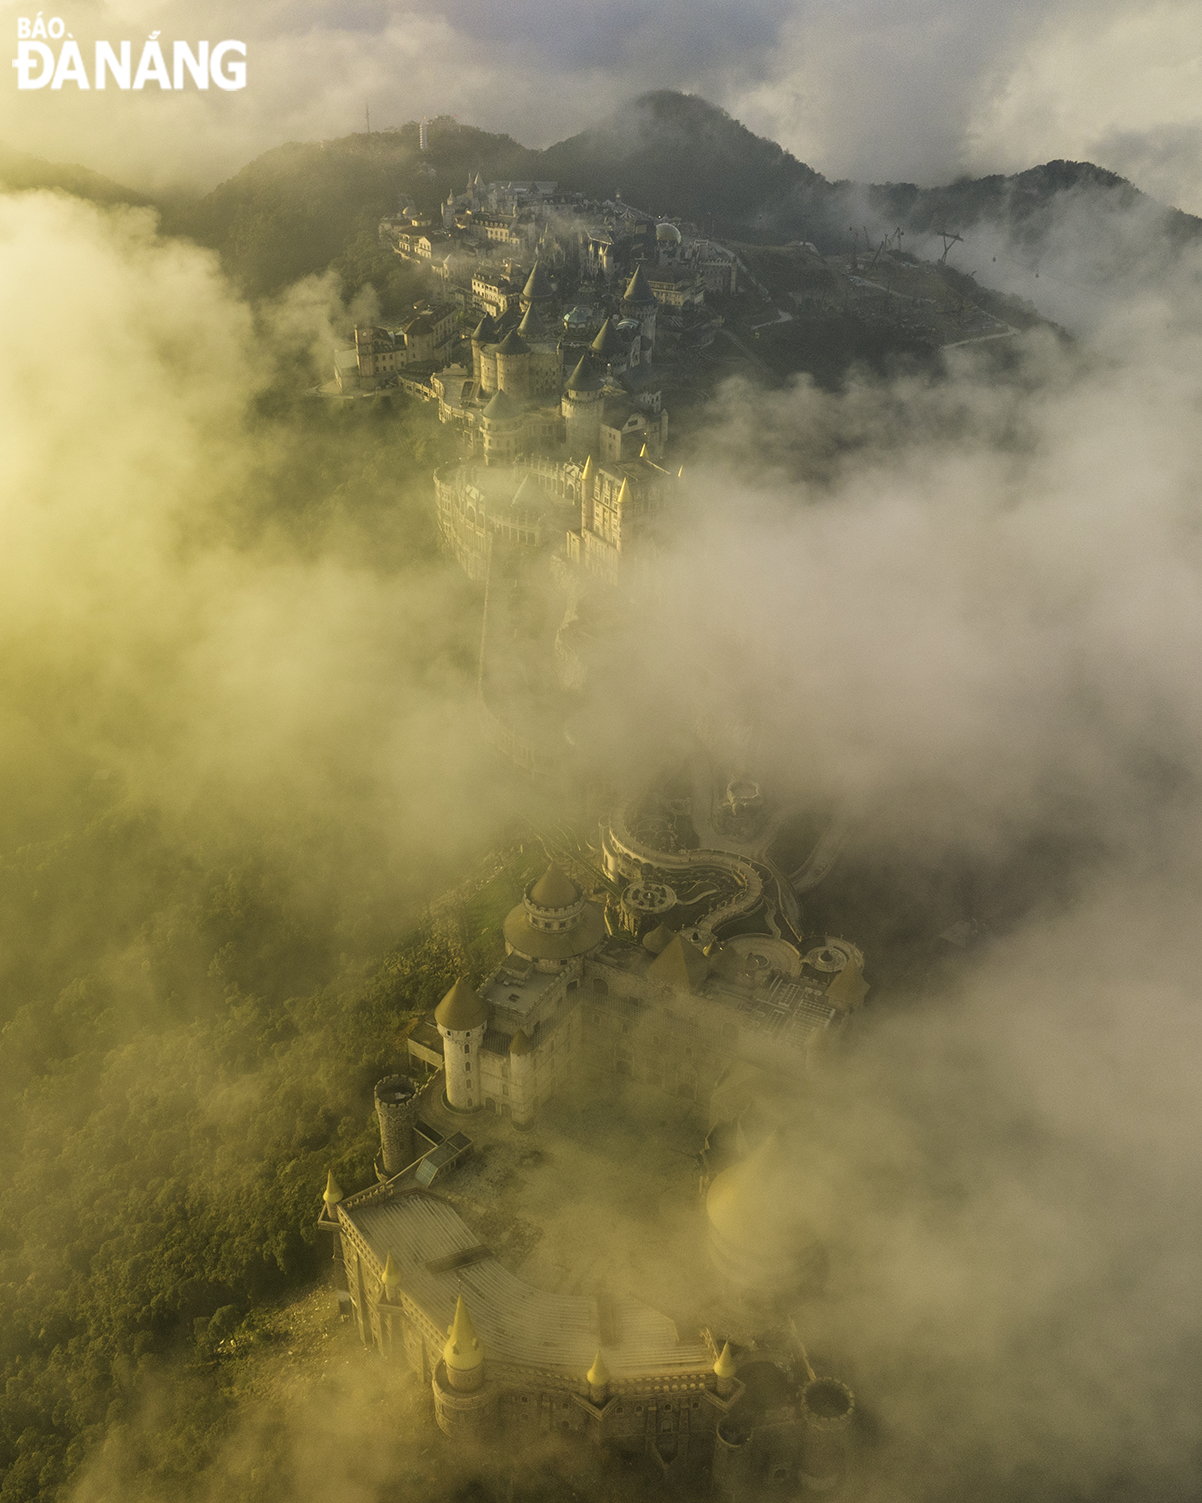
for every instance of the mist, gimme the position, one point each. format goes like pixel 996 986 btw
pixel 965 611
pixel 905 92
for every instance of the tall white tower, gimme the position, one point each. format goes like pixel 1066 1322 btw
pixel 462 1019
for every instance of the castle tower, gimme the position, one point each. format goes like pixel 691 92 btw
pixel 501 429
pixel 538 289
pixel 734 1466
pixel 827 1407
pixel 554 924
pixel 328 1222
pixel 611 351
pixel 462 1019
pixel 639 303
pixel 513 365
pixel 598 1380
pixel 725 1370
pixel 759 1238
pixel 396 1105
pixel 464 1400
pixel 581 406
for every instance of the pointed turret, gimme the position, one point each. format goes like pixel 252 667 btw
pixel 598 1379
pixel 538 287
pixel 391 1277
pixel 608 342
pixel 461 1009
pixel 520 1044
pixel 332 1194
pixel 638 289
pixel 623 493
pixel 643 450
pixel 658 940
pixel 531 326
pixel 554 890
pixel 725 1369
pixel 485 331
pixel 463 1354
pixel 586 474
pixel 584 377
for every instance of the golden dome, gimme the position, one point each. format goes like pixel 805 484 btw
pixel 461 1009
pixel 463 1351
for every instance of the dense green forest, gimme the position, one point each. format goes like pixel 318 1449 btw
pixel 194 1010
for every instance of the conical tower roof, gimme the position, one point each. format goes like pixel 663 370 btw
pixel 461 1009
pixel 586 474
pixel 584 377
pixel 607 343
pixel 513 344
pixel 725 1366
pixel 502 408
pixel 520 1044
pixel 680 964
pixel 531 326
pixel 486 330
pixel 598 1374
pixel 554 890
pixel 658 939
pixel 638 289
pixel 463 1351
pixel 623 492
pixel 538 286
pixel 332 1193
pixel 392 1274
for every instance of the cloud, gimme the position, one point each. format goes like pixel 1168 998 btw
pixel 909 91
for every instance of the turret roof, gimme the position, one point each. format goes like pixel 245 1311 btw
pixel 463 1351
pixel 584 377
pixel 638 289
pixel 332 1193
pixel 658 939
pixel 586 474
pixel 554 889
pixel 607 342
pixel 502 408
pixel 725 1366
pixel 486 330
pixel 680 964
pixel 538 284
pixel 461 1009
pixel 513 344
pixel 598 1374
pixel 392 1274
pixel 531 326
pixel 520 1043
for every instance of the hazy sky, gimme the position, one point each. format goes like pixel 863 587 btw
pixel 878 89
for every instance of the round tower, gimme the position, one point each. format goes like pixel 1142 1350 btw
pixel 462 1019
pixel 757 1238
pixel 396 1104
pixel 554 924
pixel 513 365
pixel 538 290
pixel 465 1401
pixel 827 1407
pixel 734 1465
pixel 581 407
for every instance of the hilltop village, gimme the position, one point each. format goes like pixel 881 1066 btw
pixel 659 982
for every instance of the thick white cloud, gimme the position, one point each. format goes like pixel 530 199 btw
pixel 914 89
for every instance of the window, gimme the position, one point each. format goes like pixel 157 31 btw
pixel 467 1048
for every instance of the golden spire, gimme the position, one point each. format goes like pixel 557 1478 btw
pixel 463 1350
pixel 624 493
pixel 586 474
pixel 643 450
pixel 332 1193
pixel 392 1274
pixel 680 473
pixel 725 1367
pixel 598 1374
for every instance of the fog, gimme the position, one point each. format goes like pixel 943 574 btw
pixel 967 611
pixel 898 92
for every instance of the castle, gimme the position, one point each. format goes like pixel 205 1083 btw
pixel 590 991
